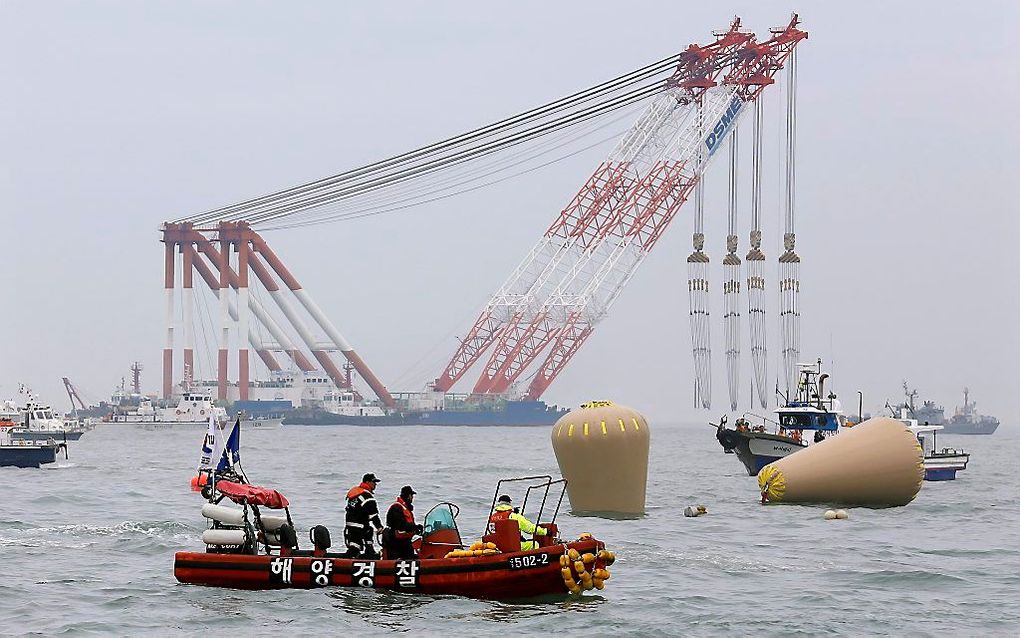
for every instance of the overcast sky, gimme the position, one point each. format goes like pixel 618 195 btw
pixel 117 116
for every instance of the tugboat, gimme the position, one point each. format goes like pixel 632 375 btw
pixel 249 548
pixel 25 453
pixel 810 416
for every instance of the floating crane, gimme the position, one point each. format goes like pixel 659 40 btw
pixel 549 305
pixel 569 280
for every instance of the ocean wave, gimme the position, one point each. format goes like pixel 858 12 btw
pixel 928 578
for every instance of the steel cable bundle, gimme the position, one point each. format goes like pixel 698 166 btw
pixel 350 187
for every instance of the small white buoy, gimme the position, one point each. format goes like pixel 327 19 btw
pixel 841 514
pixel 830 515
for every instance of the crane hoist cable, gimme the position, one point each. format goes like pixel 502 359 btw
pixel 389 179
pixel 534 115
pixel 343 211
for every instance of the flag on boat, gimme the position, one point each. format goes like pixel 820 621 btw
pixel 222 443
pixel 231 454
pixel 212 445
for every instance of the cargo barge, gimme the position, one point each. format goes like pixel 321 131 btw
pixel 461 413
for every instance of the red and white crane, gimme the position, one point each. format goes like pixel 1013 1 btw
pixel 624 226
pixel 550 304
pixel 509 320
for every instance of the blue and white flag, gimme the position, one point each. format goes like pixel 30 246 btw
pixel 231 454
pixel 212 445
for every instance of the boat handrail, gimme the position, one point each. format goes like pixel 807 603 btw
pixel 547 483
pixel 758 416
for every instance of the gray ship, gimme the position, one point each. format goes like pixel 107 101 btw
pixel 968 421
pixel 928 413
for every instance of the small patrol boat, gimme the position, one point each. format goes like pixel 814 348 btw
pixel 253 545
pixel 16 452
pixel 939 465
pixel 809 417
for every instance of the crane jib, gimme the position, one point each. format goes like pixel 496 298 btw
pixel 723 125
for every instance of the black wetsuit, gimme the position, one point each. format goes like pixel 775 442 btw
pixel 361 521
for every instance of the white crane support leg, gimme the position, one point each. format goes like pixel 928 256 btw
pixel 320 318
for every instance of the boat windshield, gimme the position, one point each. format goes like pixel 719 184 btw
pixel 441 517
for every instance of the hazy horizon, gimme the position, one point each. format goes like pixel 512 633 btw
pixel 122 115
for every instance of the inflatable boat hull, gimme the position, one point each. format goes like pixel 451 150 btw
pixel 499 576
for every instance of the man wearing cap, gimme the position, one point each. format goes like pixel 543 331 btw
pixel 400 527
pixel 362 519
pixel 505 510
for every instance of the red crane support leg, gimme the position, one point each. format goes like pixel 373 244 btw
pixel 188 300
pixel 168 350
pixel 221 367
pixel 242 314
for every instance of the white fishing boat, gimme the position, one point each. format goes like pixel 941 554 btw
pixel 809 416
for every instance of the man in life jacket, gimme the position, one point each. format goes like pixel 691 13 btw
pixel 505 510
pixel 362 519
pixel 400 527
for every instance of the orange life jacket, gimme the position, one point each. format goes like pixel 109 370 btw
pixel 358 490
pixel 408 516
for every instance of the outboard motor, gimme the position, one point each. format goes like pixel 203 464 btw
pixel 319 536
pixel 288 539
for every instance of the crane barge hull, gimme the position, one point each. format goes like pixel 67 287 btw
pixel 513 413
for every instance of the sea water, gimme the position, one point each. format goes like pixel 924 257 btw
pixel 87 545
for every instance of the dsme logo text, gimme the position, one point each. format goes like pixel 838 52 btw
pixel 719 132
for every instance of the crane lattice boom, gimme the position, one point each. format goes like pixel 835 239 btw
pixel 568 282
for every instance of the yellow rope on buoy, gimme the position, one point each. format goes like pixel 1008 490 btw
pixel 772 483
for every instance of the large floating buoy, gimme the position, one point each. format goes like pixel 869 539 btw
pixel 879 462
pixel 602 451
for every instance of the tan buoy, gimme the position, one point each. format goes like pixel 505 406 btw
pixel 602 451
pixel 879 462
